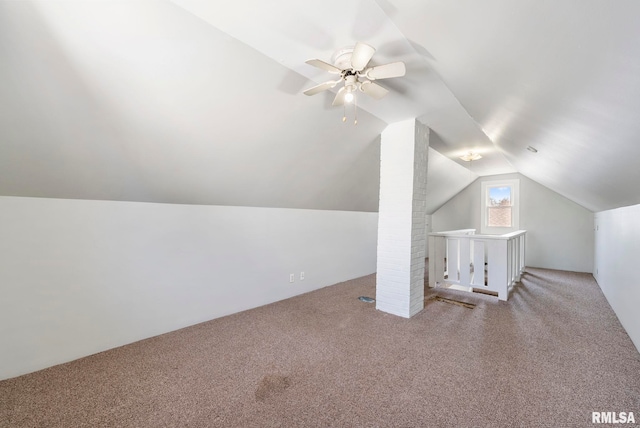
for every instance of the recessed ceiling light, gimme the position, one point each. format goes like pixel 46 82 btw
pixel 532 149
pixel 470 157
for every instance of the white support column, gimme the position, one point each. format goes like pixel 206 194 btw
pixel 401 218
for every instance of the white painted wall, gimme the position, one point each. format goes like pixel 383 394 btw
pixel 559 231
pixel 80 276
pixel 617 252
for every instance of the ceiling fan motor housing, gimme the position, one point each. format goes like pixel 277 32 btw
pixel 342 58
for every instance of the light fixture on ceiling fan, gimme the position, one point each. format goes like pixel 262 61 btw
pixel 351 64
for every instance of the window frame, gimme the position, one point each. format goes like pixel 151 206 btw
pixel 514 184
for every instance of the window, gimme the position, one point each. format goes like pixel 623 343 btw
pixel 499 207
pixel 500 212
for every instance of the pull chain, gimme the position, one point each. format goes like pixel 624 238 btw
pixel 355 110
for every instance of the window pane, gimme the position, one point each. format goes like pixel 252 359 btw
pixel 500 209
pixel 500 196
pixel 499 216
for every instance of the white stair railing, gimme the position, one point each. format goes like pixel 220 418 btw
pixel 485 262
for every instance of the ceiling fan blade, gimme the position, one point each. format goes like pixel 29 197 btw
pixel 373 90
pixel 324 66
pixel 321 87
pixel 361 56
pixel 386 71
pixel 339 99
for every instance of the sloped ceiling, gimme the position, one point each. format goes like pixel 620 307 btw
pixel 200 102
pixel 560 76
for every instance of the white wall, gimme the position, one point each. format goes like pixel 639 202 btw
pixel 78 276
pixel 559 231
pixel 617 252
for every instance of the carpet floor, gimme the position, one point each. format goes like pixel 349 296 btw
pixel 549 357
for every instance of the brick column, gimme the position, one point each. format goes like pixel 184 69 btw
pixel 401 218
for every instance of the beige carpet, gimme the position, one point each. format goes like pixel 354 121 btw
pixel 548 357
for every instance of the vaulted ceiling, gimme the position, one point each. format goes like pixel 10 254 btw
pixel 200 102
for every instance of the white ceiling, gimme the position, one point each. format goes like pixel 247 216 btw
pixel 562 76
pixel 193 101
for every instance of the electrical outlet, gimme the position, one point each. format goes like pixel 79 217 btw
pixel 291 277
pixel 301 276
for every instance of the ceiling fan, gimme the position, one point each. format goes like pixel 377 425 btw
pixel 351 65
